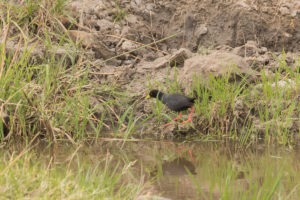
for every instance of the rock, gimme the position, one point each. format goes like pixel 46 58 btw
pixel 263 50
pixel 129 45
pixel 138 2
pixel 131 19
pixel 216 64
pixel 284 10
pixel 125 30
pixel 86 39
pixel 101 10
pixel 201 30
pixel 150 6
pixel 247 50
pixel 177 58
pixel 284 83
pixel 281 84
pixel 105 25
pixel 294 13
pixel 258 62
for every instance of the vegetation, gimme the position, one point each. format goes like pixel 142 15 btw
pixel 46 89
pixel 27 175
pixel 46 92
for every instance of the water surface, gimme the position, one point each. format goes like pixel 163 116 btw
pixel 194 170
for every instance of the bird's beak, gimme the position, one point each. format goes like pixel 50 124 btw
pixel 148 97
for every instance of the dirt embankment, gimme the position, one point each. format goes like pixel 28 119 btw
pixel 209 36
pixel 200 26
pixel 200 37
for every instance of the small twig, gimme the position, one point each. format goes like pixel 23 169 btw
pixel 98 73
pixel 73 155
pixel 151 28
pixel 16 53
pixel 50 162
pixel 69 137
pixel 61 25
pixel 122 38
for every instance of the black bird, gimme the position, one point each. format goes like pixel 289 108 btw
pixel 176 102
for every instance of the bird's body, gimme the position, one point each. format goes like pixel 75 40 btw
pixel 175 102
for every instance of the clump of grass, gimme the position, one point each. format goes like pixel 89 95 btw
pixel 119 13
pixel 230 105
pixel 43 91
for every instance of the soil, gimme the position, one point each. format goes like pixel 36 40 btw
pixel 253 30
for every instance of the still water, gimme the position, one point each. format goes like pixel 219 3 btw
pixel 194 170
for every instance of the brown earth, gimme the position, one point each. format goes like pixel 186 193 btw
pixel 250 29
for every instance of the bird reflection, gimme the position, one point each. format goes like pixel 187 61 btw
pixel 177 167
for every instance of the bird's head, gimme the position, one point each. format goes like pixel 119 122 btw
pixel 152 94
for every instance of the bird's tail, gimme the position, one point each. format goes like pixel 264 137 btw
pixel 193 99
pixel 196 96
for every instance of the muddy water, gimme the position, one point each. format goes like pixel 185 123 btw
pixel 191 170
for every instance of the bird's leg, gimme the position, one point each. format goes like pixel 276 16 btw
pixel 190 116
pixel 180 116
pixel 180 149
pixel 191 156
pixel 175 119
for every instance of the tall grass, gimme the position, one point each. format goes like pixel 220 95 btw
pixel 232 106
pixel 30 176
pixel 48 92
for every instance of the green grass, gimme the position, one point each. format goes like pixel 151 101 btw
pixel 240 109
pixel 119 13
pixel 29 176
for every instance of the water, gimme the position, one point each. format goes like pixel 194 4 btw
pixel 195 170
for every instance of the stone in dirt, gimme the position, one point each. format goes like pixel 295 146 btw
pixel 177 58
pixel 129 45
pixel 217 64
pixel 249 49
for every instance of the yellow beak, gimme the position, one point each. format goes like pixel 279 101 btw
pixel 148 97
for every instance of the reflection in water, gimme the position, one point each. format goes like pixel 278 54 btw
pixel 178 167
pixel 219 170
pixel 174 179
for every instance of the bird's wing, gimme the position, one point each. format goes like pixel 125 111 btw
pixel 177 102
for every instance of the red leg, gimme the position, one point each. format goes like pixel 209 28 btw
pixel 191 155
pixel 190 116
pixel 175 119
pixel 182 148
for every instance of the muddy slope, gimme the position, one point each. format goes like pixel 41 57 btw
pixel 197 36
pixel 272 24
